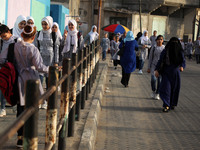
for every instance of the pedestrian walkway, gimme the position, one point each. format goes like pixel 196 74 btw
pixel 131 120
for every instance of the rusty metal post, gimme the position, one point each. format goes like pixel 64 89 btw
pixel 83 98
pixel 93 63
pixel 31 125
pixel 96 59
pixel 99 16
pixel 51 116
pixel 64 105
pixel 89 75
pixel 73 98
pixel 88 72
pixel 79 95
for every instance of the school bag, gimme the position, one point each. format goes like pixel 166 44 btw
pixel 15 40
pixel 8 78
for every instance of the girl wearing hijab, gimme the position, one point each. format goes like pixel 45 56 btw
pixel 144 44
pixel 128 60
pixel 71 40
pixel 30 20
pixel 92 35
pixel 56 30
pixel 28 62
pixel 170 64
pixel 48 44
pixel 19 25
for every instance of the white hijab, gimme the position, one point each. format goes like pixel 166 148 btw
pixel 16 30
pixel 72 37
pixel 93 35
pixel 58 33
pixel 49 21
pixel 30 18
pixel 144 39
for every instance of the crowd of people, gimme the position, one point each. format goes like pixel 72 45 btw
pixel 35 51
pixel 164 62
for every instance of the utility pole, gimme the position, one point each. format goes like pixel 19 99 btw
pixel 99 17
pixel 140 12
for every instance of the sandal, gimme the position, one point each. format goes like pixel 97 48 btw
pixel 166 109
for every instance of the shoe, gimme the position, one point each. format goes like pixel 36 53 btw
pixel 2 112
pixel 44 106
pixel 140 72
pixel 166 109
pixel 20 142
pixel 157 97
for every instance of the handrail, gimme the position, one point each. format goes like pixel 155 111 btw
pixel 85 66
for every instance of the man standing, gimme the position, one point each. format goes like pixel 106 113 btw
pixel 153 38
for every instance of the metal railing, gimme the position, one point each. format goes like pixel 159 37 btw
pixel 78 76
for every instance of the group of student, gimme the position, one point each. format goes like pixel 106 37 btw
pixel 164 62
pixel 35 51
pixel 192 48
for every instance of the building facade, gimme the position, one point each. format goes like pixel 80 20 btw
pixel 170 18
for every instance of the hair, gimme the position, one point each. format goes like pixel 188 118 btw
pixel 138 36
pixel 159 36
pixel 29 31
pixel 4 29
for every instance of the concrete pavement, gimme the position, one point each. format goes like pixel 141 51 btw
pixel 131 120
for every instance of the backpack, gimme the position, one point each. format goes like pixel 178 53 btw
pixel 2 44
pixel 8 78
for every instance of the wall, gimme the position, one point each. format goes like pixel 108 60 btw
pixel 60 15
pixel 166 26
pixel 3 11
pixel 21 7
pixel 40 9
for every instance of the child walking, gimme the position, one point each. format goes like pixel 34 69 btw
pixel 153 59
pixel 105 44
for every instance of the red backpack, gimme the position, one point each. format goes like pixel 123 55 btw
pixel 8 78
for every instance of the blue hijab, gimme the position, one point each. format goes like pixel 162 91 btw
pixel 129 36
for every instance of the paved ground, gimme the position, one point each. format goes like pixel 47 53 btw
pixel 131 120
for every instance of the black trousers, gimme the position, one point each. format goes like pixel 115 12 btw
pixel 20 109
pixel 125 78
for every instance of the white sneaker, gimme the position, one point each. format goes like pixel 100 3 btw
pixel 153 95
pixel 2 112
pixel 157 97
pixel 140 72
pixel 44 106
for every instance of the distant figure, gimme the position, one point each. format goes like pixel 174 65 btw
pixel 91 36
pixel 154 56
pixel 153 38
pixel 170 64
pixel 112 49
pixel 128 60
pixel 197 50
pixel 189 49
pixel 144 45
pixel 116 58
pixel 105 44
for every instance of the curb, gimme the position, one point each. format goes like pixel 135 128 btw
pixel 90 130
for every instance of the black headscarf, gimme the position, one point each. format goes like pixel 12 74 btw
pixel 174 52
